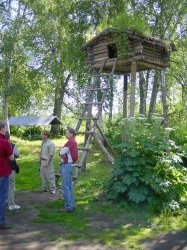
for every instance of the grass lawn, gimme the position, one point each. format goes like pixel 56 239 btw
pixel 114 225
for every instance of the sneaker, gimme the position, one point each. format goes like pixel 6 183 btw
pixel 14 207
pixel 52 192
pixel 67 210
pixel 4 227
pixel 44 190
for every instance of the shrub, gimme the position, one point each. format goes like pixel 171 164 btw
pixel 32 133
pixel 148 168
pixel 17 131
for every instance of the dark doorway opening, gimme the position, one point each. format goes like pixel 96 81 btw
pixel 112 51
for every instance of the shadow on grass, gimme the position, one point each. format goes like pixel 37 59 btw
pixel 113 226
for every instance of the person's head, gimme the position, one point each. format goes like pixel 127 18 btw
pixel 70 132
pixel 2 128
pixel 45 135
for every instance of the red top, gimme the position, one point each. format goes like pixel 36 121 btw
pixel 72 145
pixel 5 152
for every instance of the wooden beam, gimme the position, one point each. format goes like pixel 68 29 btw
pixel 108 157
pixel 164 100
pixel 105 140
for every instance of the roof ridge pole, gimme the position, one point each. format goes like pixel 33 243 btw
pixel 133 88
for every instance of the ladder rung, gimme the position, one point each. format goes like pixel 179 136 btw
pixel 83 149
pixel 88 118
pixel 112 59
pixel 58 175
pixel 108 74
pixel 97 75
pixel 85 132
pixel 77 165
pixel 98 89
pixel 92 103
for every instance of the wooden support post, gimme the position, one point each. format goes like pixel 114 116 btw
pixel 133 88
pixel 164 102
pixel 108 157
pixel 125 82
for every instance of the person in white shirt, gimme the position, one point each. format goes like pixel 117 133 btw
pixel 12 183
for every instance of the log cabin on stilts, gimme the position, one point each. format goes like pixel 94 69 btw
pixel 104 61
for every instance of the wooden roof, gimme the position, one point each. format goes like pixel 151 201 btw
pixel 154 53
pixel 167 45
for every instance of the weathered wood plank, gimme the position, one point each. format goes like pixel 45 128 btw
pixel 101 55
pixel 155 62
pixel 103 44
pixel 135 58
pixel 99 51
pixel 100 59
pixel 135 52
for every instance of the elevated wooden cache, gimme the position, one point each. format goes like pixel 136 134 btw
pixel 147 52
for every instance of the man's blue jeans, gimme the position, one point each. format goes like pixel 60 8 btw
pixel 3 197
pixel 67 185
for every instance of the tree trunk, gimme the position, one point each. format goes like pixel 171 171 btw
pixel 125 86
pixel 133 89
pixel 154 94
pixel 143 92
pixel 100 109
pixel 5 112
pixel 16 26
pixel 5 91
pixel 111 102
pixel 57 111
pixel 184 95
pixel 164 101
pixel 89 99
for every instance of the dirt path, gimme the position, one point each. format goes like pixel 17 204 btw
pixel 27 235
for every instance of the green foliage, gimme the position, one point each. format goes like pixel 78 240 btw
pixel 16 131
pixel 113 130
pixel 149 165
pixel 179 134
pixel 32 132
pixel 123 23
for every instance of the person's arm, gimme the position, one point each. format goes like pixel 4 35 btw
pixel 64 151
pixel 51 153
pixel 9 151
pixel 11 157
pixel 15 151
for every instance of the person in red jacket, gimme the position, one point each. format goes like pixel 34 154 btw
pixel 69 155
pixel 6 155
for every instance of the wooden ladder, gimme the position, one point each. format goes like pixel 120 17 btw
pixel 92 120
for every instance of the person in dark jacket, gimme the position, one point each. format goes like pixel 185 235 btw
pixel 69 155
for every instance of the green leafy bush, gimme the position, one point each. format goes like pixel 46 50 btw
pixel 180 135
pixel 32 133
pixel 17 131
pixel 149 167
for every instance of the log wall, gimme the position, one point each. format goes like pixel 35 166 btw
pixel 147 55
